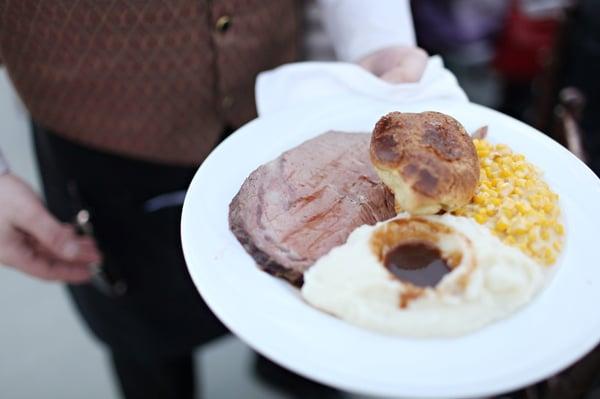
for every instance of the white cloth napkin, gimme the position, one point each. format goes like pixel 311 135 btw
pixel 296 84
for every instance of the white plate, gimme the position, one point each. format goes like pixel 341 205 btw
pixel 559 326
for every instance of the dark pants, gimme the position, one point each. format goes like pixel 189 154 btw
pixel 153 329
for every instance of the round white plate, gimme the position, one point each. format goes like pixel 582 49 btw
pixel 559 326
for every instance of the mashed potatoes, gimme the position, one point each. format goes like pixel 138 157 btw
pixel 488 279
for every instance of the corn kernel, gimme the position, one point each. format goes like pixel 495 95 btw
pixel 548 207
pixel 501 225
pixel 545 235
pixel 559 228
pixel 481 219
pixel 521 207
pixel 532 235
pixel 508 212
pixel 556 245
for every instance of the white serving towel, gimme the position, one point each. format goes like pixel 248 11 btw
pixel 293 85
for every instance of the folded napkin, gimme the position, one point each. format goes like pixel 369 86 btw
pixel 300 83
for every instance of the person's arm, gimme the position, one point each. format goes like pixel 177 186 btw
pixel 33 241
pixel 378 35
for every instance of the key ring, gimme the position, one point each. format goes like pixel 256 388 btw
pixel 101 279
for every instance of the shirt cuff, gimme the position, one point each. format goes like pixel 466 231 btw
pixel 358 27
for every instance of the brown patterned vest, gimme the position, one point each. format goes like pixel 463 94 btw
pixel 152 79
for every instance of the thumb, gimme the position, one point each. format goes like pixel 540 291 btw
pixel 26 212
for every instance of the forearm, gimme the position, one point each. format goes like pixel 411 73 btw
pixel 358 27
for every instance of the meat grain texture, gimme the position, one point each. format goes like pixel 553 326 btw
pixel 296 208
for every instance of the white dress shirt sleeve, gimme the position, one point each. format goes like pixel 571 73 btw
pixel 360 27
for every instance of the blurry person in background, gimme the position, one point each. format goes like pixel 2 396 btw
pixel 464 33
pixel 571 79
pixel 524 50
pixel 496 48
pixel 127 98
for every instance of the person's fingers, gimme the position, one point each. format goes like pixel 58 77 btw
pixel 59 239
pixel 397 64
pixel 88 250
pixel 400 75
pixel 409 70
pixel 60 271
pixel 44 228
pixel 39 264
pixel 35 242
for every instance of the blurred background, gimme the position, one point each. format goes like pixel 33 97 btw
pixel 535 60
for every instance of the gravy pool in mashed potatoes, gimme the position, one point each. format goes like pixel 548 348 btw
pixel 473 278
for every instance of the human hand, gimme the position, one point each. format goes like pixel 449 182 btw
pixel 398 64
pixel 34 242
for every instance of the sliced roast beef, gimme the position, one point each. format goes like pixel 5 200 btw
pixel 294 209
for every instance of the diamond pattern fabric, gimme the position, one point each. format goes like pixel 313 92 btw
pixel 152 79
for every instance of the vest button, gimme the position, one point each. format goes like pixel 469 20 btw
pixel 223 23
pixel 227 102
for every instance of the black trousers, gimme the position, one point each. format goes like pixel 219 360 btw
pixel 153 329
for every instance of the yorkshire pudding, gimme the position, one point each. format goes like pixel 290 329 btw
pixel 426 159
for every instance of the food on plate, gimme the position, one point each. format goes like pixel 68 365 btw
pixel 427 159
pixel 514 201
pixel 480 133
pixel 294 209
pixel 422 276
pixel 477 224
